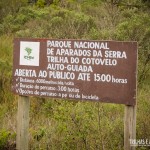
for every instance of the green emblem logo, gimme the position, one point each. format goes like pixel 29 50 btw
pixel 29 51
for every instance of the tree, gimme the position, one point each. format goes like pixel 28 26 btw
pixel 10 7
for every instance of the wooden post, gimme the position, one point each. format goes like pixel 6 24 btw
pixel 129 127
pixel 23 123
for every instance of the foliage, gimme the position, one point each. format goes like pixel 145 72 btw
pixel 13 23
pixel 58 124
pixel 4 140
pixel 5 68
pixel 40 3
pixel 51 25
pixel 10 7
pixel 78 126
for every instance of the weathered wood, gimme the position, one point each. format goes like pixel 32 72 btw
pixel 129 127
pixel 23 123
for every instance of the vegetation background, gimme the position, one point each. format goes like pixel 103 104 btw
pixel 60 124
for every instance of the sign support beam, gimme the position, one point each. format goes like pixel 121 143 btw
pixel 129 127
pixel 23 123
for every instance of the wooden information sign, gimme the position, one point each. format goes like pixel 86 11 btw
pixel 102 71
